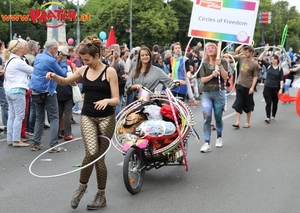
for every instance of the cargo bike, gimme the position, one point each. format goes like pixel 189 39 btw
pixel 152 132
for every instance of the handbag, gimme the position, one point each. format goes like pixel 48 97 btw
pixel 76 94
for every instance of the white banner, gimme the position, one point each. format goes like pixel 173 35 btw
pixel 227 20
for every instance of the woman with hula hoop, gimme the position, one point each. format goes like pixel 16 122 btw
pixel 101 95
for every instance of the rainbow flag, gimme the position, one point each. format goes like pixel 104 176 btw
pixel 178 69
pixel 179 72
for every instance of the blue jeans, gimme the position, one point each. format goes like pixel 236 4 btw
pixel 16 113
pixel 119 107
pixel 130 98
pixel 51 106
pixel 4 106
pixel 212 101
pixel 76 105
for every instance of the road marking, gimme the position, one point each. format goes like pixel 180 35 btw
pixel 228 116
pixel 120 164
pixel 3 139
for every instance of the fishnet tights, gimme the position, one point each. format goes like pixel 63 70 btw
pixel 95 146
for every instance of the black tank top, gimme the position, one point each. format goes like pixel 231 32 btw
pixel 94 91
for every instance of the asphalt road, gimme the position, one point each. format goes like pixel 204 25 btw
pixel 256 171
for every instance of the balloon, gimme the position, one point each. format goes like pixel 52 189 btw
pixel 102 35
pixel 70 41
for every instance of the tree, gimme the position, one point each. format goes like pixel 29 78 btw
pixel 183 11
pixel 23 28
pixel 153 22
pixel 282 15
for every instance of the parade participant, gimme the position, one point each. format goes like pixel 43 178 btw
pixel 16 78
pixel 249 71
pixel 213 97
pixel 147 75
pixel 285 65
pixel 273 84
pixel 100 86
pixel 180 69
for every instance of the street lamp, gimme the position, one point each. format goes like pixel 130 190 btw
pixel 54 23
pixel 10 23
pixel 78 24
pixel 130 32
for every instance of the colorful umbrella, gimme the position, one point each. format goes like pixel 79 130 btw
pixel 111 37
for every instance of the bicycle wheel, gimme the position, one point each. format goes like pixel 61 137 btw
pixel 133 170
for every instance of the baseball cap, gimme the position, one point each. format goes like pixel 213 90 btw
pixel 132 51
pixel 63 49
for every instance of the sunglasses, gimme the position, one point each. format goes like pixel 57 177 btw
pixel 210 48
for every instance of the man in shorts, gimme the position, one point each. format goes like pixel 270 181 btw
pixel 249 72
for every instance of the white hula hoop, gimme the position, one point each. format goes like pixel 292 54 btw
pixel 195 75
pixel 72 171
pixel 271 47
pixel 235 76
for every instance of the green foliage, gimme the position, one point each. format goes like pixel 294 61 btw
pixel 183 10
pixel 23 28
pixel 154 22
pixel 282 14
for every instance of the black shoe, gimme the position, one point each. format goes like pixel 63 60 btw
pixel 4 130
pixel 46 126
pixel 73 122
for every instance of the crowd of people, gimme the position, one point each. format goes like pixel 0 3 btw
pixel 38 88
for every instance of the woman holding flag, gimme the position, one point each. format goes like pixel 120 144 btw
pixel 213 74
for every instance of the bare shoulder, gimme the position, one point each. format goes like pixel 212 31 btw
pixel 111 70
pixel 81 70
